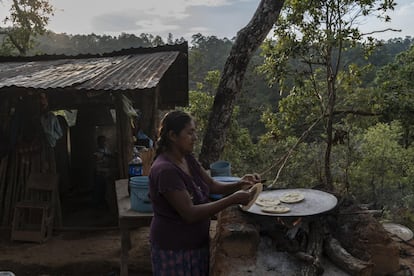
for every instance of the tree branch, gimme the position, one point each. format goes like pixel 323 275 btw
pixel 381 31
pixel 356 112
pixel 289 153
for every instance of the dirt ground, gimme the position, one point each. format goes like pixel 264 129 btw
pixel 88 243
pixel 76 253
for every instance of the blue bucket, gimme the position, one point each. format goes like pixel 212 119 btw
pixel 220 168
pixel 139 194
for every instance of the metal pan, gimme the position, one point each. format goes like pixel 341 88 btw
pixel 315 202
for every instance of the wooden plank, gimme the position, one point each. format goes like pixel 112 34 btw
pixel 123 137
pixel 3 172
pixel 10 184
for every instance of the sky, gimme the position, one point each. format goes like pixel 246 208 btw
pixel 182 18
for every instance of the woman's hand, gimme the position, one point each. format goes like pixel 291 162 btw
pixel 248 180
pixel 243 197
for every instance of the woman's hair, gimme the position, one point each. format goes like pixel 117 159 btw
pixel 173 121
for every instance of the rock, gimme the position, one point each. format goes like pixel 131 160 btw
pixel 235 243
pixel 365 238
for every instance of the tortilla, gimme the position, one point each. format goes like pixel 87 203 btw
pixel 292 197
pixel 267 201
pixel 278 209
pixel 257 188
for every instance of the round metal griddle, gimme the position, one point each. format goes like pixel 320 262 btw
pixel 315 202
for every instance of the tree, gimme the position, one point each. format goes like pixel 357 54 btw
pixel 239 147
pixel 247 42
pixel 380 173
pixel 396 83
pixel 306 56
pixel 27 19
pixel 206 54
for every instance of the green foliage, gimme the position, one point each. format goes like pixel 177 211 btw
pixel 238 147
pixel 27 19
pixel 305 59
pixel 6 48
pixel 210 83
pixel 382 171
pixel 199 107
pixel 313 34
pixel 207 53
pixel 304 167
pixel 299 109
pixel 52 43
pixel 395 96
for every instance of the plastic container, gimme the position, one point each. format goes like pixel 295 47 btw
pixel 6 273
pixel 139 194
pixel 220 168
pixel 135 167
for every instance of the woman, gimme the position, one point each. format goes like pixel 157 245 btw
pixel 179 191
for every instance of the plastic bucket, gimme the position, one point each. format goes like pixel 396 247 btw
pixel 220 168
pixel 139 194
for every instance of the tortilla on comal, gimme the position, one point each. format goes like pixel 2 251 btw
pixel 267 201
pixel 292 197
pixel 278 209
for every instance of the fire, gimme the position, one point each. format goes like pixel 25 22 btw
pixel 292 224
pixel 289 222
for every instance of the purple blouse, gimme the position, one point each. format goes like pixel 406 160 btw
pixel 168 229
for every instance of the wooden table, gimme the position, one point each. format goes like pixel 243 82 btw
pixel 128 219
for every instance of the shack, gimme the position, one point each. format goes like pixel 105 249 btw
pixel 89 96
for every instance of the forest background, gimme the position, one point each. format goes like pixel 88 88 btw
pixel 372 157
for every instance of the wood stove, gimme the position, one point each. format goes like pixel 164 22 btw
pixel 252 243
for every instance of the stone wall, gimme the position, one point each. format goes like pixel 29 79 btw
pixel 235 243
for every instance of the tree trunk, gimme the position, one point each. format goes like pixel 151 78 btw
pixel 329 127
pixel 247 41
pixel 329 131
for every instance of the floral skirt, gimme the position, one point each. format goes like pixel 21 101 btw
pixel 188 262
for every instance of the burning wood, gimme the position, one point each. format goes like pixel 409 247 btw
pixel 289 222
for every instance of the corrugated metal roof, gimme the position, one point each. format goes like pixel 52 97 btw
pixel 120 72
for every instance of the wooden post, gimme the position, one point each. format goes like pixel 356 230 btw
pixel 123 137
pixel 155 118
pixel 149 103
